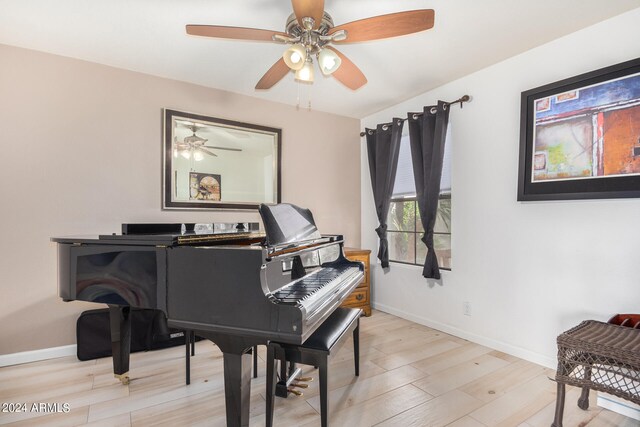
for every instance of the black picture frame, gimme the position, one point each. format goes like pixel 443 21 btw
pixel 168 203
pixel 549 97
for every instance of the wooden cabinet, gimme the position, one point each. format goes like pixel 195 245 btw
pixel 361 296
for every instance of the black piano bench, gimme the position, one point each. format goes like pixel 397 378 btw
pixel 315 351
pixel 190 350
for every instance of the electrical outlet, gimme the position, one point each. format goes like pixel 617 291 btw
pixel 466 308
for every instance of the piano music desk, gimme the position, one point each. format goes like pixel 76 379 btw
pixel 361 296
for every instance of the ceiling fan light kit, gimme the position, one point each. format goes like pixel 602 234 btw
pixel 193 146
pixel 198 155
pixel 328 61
pixel 305 74
pixel 295 56
pixel 310 31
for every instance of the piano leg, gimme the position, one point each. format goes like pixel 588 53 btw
pixel 271 384
pixel 237 388
pixel 236 352
pixel 120 322
pixel 188 353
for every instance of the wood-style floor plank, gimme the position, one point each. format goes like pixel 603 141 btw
pixel 521 403
pixel 60 419
pixel 452 357
pixel 499 382
pixel 367 388
pixel 380 408
pixel 415 354
pixel 457 376
pixel 410 375
pixel 437 412
pixel 611 419
pixel 573 416
pixel 123 420
pixel 466 422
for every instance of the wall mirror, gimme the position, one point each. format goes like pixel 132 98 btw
pixel 212 163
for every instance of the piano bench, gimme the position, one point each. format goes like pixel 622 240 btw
pixel 190 350
pixel 315 351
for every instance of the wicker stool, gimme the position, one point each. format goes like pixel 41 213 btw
pixel 315 351
pixel 599 356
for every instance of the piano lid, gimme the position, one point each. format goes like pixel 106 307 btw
pixel 187 233
pixel 287 223
pixel 188 228
pixel 171 234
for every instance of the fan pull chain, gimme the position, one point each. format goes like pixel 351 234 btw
pixel 308 89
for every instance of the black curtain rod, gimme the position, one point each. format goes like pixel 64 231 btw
pixel 461 100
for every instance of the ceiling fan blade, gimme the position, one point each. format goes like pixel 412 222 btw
pixel 273 75
pixel 236 33
pixel 192 126
pixel 204 150
pixel 384 26
pixel 237 133
pixel 348 73
pixel 222 148
pixel 194 139
pixel 311 8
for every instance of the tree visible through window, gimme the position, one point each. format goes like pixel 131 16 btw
pixel 404 226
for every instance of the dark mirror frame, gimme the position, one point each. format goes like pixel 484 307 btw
pixel 592 188
pixel 167 183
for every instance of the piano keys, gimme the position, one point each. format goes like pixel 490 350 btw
pixel 233 285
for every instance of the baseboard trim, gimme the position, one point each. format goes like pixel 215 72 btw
pixel 37 355
pixel 522 353
pixel 70 350
pixel 621 406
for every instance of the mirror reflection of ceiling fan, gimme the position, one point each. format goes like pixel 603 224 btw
pixel 193 145
pixel 310 32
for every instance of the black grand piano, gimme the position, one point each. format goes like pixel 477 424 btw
pixel 236 287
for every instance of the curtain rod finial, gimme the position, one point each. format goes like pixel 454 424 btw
pixel 362 134
pixel 465 98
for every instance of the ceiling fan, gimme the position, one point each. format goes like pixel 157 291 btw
pixel 193 145
pixel 310 32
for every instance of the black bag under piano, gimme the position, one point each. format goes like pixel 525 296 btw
pixel 149 331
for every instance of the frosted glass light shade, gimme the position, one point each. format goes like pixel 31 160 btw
pixel 328 61
pixel 295 57
pixel 186 154
pixel 305 74
pixel 197 155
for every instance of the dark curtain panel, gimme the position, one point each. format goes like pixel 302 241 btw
pixel 427 134
pixel 383 146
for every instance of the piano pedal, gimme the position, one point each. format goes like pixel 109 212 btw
pixel 291 390
pixel 299 385
pixel 306 379
pixel 124 378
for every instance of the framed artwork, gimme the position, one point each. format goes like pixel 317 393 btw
pixel 580 137
pixel 205 186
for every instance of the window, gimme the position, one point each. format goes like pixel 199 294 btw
pixel 404 226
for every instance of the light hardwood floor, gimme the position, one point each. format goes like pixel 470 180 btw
pixel 410 375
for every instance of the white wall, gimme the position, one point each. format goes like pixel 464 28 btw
pixel 529 270
pixel 242 176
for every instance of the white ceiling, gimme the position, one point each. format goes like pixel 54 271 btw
pixel 149 36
